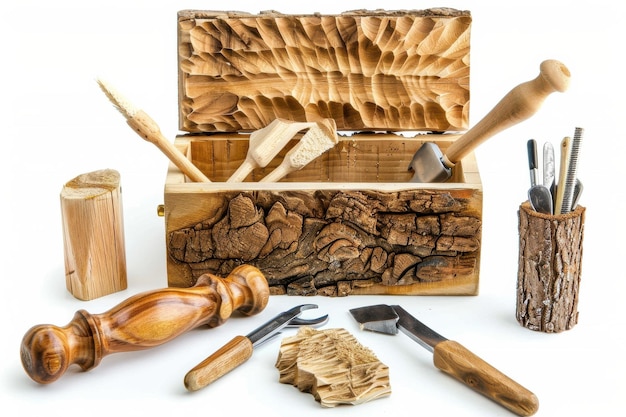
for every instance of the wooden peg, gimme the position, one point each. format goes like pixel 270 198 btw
pixel 93 235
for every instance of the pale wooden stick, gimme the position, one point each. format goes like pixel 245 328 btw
pixel 318 139
pixel 147 128
pixel 93 235
pixel 566 146
pixel 265 143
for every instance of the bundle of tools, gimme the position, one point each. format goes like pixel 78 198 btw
pixel 429 163
pixel 554 195
pixel 152 318
pixel 265 144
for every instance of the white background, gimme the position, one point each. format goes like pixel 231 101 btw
pixel 56 124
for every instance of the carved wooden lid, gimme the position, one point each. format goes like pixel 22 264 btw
pixel 368 70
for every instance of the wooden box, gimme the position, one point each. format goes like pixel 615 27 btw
pixel 350 222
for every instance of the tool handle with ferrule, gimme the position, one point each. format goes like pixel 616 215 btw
pixel 518 105
pixel 458 362
pixel 140 322
pixel 224 360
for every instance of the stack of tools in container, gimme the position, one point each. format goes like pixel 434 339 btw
pixel 554 195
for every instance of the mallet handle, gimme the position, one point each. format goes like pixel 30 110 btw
pixel 143 321
pixel 518 105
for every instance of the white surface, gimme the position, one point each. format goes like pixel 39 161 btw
pixel 57 124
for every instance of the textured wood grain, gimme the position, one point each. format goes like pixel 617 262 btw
pixel 383 70
pixel 315 238
pixel 93 234
pixel 333 366
pixel 457 361
pixel 549 269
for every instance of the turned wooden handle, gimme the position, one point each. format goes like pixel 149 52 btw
pixel 518 105
pixel 224 360
pixel 457 361
pixel 143 321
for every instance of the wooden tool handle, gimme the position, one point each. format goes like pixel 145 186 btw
pixel 143 124
pixel 143 321
pixel 518 105
pixel 224 360
pixel 457 361
pixel 566 147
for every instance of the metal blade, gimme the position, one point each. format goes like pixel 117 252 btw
pixel 549 166
pixel 273 326
pixel 379 318
pixel 417 330
pixel 427 164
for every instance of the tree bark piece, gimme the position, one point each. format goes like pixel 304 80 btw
pixel 549 271
pixel 332 366
pixel 312 243
pixel 93 235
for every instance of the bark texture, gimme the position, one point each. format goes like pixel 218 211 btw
pixel 549 272
pixel 330 242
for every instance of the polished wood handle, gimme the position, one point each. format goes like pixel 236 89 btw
pixel 457 361
pixel 518 105
pixel 143 321
pixel 224 360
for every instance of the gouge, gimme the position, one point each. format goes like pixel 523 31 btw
pixel 430 164
pixel 239 349
pixel 450 357
pixel 143 321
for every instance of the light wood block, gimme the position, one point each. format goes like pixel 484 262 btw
pixel 93 235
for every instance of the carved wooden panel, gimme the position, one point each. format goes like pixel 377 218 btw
pixel 336 242
pixel 369 70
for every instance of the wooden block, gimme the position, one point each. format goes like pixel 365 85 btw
pixel 348 223
pixel 93 235
pixel 333 366
pixel 378 70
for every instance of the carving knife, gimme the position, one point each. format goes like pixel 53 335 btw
pixel 450 357
pixel 239 349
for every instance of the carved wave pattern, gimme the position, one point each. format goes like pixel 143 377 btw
pixel 380 72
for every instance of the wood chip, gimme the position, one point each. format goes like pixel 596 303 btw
pixel 333 366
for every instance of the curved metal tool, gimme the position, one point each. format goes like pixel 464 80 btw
pixel 239 349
